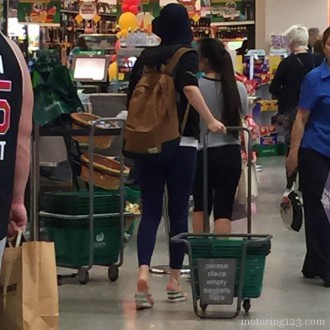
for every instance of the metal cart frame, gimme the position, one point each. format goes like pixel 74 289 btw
pixel 183 238
pixel 83 272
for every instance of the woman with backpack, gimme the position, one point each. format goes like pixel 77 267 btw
pixel 228 101
pixel 175 165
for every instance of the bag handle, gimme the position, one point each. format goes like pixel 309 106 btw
pixel 18 241
pixel 172 63
pixel 185 119
pixel 291 182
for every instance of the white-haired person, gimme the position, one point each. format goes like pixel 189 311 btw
pixel 289 76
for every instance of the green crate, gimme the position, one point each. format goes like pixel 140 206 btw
pixel 77 203
pixel 257 251
pixel 132 195
pixel 266 150
pixel 71 238
pixel 282 149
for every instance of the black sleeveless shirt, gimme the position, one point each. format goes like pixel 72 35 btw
pixel 11 95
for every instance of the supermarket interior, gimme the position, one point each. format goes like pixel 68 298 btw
pixel 77 262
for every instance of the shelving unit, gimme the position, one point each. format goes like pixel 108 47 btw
pixel 106 22
pixel 233 23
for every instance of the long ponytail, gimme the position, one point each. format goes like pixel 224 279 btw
pixel 220 61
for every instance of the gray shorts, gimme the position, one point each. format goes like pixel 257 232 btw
pixel 2 248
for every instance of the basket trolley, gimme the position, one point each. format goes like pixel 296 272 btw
pixel 246 253
pixel 113 221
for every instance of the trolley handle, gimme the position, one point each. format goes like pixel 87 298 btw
pixel 249 180
pixel 94 124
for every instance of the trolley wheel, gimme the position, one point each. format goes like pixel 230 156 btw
pixel 59 280
pixel 113 273
pixel 247 305
pixel 83 276
pixel 127 237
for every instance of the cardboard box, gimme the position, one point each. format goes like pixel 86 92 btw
pixel 268 139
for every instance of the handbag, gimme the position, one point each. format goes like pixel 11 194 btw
pixel 291 208
pixel 28 287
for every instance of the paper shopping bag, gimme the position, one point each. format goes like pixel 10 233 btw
pixel 240 202
pixel 28 288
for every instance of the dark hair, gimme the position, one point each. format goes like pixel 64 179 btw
pixel 326 36
pixel 243 49
pixel 81 43
pixel 173 25
pixel 220 61
pixel 318 47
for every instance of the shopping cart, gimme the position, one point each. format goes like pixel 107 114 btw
pixel 93 234
pixel 228 266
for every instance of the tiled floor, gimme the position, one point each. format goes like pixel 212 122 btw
pixel 288 301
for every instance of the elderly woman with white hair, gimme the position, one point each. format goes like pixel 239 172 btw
pixel 289 75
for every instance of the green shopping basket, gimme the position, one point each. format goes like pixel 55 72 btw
pixel 248 250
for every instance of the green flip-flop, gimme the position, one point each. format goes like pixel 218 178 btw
pixel 143 300
pixel 176 296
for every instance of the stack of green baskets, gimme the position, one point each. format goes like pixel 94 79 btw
pixel 66 221
pixel 77 203
pixel 257 250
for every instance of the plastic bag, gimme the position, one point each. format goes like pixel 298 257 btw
pixel 54 95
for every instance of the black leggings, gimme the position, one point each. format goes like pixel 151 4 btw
pixel 224 171
pixel 175 168
pixel 313 174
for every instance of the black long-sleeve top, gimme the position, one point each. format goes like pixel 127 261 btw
pixel 288 78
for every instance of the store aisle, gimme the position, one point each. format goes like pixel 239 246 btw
pixel 287 301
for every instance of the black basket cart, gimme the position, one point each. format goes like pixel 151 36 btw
pixel 228 266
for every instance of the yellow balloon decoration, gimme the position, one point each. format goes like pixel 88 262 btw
pixel 128 21
pixel 124 33
pixel 113 71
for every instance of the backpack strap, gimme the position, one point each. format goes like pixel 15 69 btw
pixel 170 66
pixel 185 119
pixel 172 63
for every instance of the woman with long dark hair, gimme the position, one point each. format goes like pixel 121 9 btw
pixel 227 100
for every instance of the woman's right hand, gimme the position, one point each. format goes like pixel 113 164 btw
pixel 291 163
pixel 216 126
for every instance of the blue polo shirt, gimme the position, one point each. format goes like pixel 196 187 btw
pixel 315 97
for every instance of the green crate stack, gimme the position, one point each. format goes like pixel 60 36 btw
pixel 65 219
pixel 257 251
pixel 71 237
pixel 77 203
